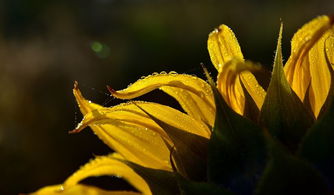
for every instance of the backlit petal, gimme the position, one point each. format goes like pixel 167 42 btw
pixel 223 46
pixel 79 189
pixel 107 166
pixel 193 93
pixel 320 75
pixel 130 132
pixel 307 69
pixel 229 78
pixel 192 104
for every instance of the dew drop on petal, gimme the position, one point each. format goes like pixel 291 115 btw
pixel 60 189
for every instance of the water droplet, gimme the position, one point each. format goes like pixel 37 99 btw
pixel 60 189
pixel 163 72
pixel 155 73
pixel 172 72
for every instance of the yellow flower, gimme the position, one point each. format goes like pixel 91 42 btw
pixel 159 137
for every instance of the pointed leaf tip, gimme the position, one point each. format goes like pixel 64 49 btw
pixel 278 63
pixel 282 112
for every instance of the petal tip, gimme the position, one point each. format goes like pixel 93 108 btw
pixel 111 90
pixel 75 85
pixel 74 131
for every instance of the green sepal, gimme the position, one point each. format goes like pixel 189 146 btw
pixel 282 113
pixel 237 150
pixel 189 150
pixel 318 144
pixel 160 182
pixel 288 175
pixel 188 187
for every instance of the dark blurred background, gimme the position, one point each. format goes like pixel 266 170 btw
pixel 45 45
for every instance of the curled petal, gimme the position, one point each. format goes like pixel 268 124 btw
pixel 223 46
pixel 229 84
pixel 192 93
pixel 78 189
pixel 307 68
pixel 111 166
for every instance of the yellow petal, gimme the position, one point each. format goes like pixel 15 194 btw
pixel 223 46
pixel 229 78
pixel 254 89
pixel 107 165
pixel 193 94
pixel 130 132
pixel 192 104
pixel 306 67
pixel 78 189
pixel 320 75
pixel 138 143
pixel 329 44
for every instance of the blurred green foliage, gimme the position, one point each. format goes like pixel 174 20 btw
pixel 46 44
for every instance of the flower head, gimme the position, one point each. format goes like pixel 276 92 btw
pixel 217 139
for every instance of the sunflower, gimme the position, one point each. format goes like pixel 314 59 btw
pixel 233 136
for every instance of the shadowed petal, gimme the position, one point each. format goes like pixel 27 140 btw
pixel 229 78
